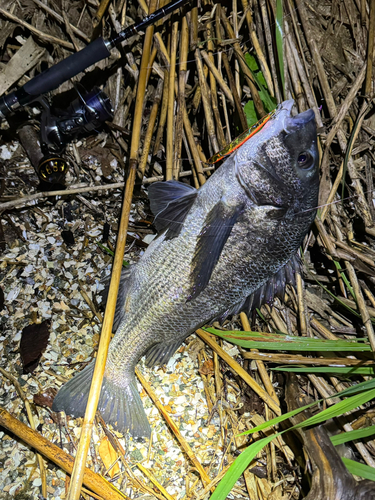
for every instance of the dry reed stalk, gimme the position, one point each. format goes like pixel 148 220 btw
pixel 258 50
pixel 60 19
pixel 271 56
pixel 150 129
pixel 208 59
pixel 96 20
pixel 184 48
pixel 370 50
pixel 185 445
pixel 232 85
pixel 30 416
pixel 297 359
pixel 240 371
pixel 93 399
pixel 261 368
pixel 171 102
pixel 323 330
pixel 38 33
pixel 206 100
pixel 247 73
pixel 163 113
pixel 63 460
pixel 193 149
pixel 361 304
pixel 214 75
pixel 154 481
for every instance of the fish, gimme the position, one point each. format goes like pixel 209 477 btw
pixel 226 247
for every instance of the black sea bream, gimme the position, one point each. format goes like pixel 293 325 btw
pixel 222 248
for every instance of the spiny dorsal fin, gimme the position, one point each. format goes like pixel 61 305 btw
pixel 216 230
pixel 170 202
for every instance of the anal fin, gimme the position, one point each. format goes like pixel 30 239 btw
pixel 160 354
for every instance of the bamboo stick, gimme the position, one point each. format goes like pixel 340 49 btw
pixel 63 460
pixel 79 463
pixel 240 371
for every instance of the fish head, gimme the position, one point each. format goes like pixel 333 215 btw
pixel 279 165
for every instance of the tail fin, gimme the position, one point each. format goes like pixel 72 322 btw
pixel 120 406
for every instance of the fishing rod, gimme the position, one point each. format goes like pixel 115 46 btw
pixel 76 63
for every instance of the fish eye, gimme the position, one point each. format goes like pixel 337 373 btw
pixel 305 160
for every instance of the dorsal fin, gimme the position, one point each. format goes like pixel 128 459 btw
pixel 265 294
pixel 170 202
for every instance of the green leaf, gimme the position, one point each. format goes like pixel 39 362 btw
pixel 250 113
pixel 361 470
pixel 238 467
pixel 277 342
pixel 347 370
pixel 281 418
pixel 279 40
pixel 125 263
pixel 344 437
pixel 361 387
pixel 251 62
pixel 338 409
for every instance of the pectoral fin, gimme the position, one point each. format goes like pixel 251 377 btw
pixel 217 228
pixel 170 202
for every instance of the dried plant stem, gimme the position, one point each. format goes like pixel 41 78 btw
pixel 171 102
pixel 206 98
pixel 30 416
pixel 370 50
pixel 241 59
pixel 271 56
pixel 63 460
pixel 40 34
pixel 205 478
pixel 93 399
pixel 155 482
pixel 240 371
pixel 260 56
pixel 163 113
pixel 184 48
pixel 261 368
pixel 211 66
pixel 60 19
pixel 232 85
pixel 193 148
pixel 361 304
pixel 150 129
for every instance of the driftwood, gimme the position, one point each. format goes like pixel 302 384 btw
pixel 330 480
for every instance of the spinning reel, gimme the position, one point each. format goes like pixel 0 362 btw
pixel 85 114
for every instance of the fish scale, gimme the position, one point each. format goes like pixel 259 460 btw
pixel 228 246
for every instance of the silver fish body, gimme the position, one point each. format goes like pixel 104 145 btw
pixel 219 248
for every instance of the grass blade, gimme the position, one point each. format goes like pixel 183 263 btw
pixel 344 437
pixel 238 467
pixel 361 470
